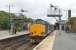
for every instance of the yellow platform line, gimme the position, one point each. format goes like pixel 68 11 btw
pixel 47 43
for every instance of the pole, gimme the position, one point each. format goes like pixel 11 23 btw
pixel 9 18
pixel 60 28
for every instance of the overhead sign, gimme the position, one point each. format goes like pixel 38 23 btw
pixel 54 15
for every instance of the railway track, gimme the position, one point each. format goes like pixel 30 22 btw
pixel 16 43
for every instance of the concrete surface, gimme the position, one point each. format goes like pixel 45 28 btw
pixel 65 41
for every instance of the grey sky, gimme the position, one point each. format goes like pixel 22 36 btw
pixel 38 8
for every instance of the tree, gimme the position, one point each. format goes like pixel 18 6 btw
pixel 4 20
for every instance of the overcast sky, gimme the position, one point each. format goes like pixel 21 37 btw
pixel 38 8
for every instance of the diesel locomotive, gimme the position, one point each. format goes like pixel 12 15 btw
pixel 39 29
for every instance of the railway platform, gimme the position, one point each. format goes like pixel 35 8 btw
pixel 65 41
pixel 6 34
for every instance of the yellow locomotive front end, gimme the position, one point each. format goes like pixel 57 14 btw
pixel 37 29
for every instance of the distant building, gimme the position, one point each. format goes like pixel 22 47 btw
pixel 63 24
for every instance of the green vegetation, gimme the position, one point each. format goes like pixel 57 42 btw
pixel 4 20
